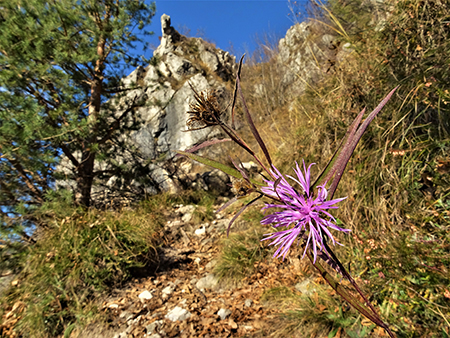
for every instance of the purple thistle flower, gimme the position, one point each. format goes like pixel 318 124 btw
pixel 304 211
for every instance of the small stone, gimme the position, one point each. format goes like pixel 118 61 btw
pixel 125 314
pixel 178 313
pixel 133 322
pixel 187 212
pixel 113 306
pixel 120 335
pixel 347 47
pixel 211 264
pixel 145 295
pixel 223 313
pixel 186 218
pixel 232 324
pixel 201 231
pixel 250 166
pixel 155 335
pixel 154 326
pixel 222 223
pixel 208 282
pixel 167 290
pixel 186 209
pixel 248 302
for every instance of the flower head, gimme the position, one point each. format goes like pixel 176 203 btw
pixel 205 112
pixel 305 213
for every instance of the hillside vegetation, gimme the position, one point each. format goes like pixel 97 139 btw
pixel 397 183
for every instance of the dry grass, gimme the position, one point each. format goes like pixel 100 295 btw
pixel 397 183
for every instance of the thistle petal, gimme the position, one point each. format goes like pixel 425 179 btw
pixel 301 213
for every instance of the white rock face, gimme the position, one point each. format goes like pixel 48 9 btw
pixel 307 54
pixel 224 313
pixel 178 313
pixel 145 295
pixel 177 61
pixel 208 282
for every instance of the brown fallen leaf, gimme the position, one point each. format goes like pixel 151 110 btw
pixel 232 324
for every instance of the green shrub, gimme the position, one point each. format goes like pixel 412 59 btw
pixel 80 255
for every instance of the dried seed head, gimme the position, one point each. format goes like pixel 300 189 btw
pixel 205 112
pixel 241 187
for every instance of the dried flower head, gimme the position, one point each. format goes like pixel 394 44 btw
pixel 241 187
pixel 305 213
pixel 205 112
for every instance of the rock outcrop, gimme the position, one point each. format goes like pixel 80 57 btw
pixel 306 54
pixel 164 94
pixel 177 62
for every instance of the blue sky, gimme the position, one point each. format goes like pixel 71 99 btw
pixel 226 23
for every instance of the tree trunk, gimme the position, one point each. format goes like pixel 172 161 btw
pixel 85 174
pixel 84 179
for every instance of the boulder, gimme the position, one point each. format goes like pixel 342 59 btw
pixel 158 124
pixel 307 53
pixel 178 62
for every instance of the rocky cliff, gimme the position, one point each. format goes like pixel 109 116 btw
pixel 306 54
pixel 177 62
pixel 164 94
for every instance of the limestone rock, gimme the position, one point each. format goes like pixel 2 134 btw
pixel 145 295
pixel 177 62
pixel 158 122
pixel 223 313
pixel 208 282
pixel 306 54
pixel 178 313
pixel 152 327
pixel 201 231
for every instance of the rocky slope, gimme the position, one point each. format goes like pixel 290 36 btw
pixel 163 91
pixel 185 299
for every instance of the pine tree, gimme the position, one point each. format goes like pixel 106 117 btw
pixel 60 66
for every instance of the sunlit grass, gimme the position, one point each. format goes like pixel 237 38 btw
pixel 81 256
pixel 242 250
pixel 397 181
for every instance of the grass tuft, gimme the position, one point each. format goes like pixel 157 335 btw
pixel 80 256
pixel 242 250
pixel 397 181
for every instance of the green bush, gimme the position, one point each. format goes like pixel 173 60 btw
pixel 397 181
pixel 80 255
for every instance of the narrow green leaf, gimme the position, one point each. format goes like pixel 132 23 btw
pixel 217 165
pixel 211 163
